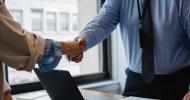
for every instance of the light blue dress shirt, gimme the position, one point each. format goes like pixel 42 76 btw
pixel 171 32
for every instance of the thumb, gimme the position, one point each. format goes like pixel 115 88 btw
pixel 82 43
pixel 68 58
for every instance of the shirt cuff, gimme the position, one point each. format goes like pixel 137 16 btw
pixel 52 56
pixel 88 39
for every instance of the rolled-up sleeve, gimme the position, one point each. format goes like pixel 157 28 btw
pixel 52 56
pixel 103 24
pixel 19 49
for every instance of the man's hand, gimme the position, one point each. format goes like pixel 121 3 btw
pixel 78 58
pixel 71 48
pixel 187 96
pixel 7 96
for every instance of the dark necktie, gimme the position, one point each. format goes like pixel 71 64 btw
pixel 146 41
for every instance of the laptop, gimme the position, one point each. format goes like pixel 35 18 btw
pixel 60 85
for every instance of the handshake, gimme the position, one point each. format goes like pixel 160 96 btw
pixel 73 49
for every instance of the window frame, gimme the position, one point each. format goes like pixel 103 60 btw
pixel 42 20
pixel 105 52
pixel 60 23
pixel 46 21
pixel 74 25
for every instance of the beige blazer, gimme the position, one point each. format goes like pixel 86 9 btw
pixel 19 49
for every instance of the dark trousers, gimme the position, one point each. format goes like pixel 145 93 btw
pixel 165 87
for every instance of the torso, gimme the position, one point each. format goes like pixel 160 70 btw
pixel 171 48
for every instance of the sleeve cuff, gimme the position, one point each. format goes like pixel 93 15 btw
pixel 52 56
pixel 89 40
pixel 37 50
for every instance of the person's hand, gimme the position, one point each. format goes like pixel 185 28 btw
pixel 7 96
pixel 187 96
pixel 78 58
pixel 71 48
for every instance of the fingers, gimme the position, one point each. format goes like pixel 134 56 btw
pixel 71 48
pixel 82 43
pixel 74 49
pixel 77 59
pixel 68 58
pixel 187 96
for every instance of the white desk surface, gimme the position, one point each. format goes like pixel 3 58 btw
pixel 42 95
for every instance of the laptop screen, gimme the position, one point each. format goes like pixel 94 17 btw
pixel 59 85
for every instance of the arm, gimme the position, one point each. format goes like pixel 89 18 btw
pixel 18 48
pixel 99 28
pixel 53 53
pixel 187 96
pixel 103 24
pixel 7 96
pixel 21 49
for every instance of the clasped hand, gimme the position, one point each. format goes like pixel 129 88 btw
pixel 73 49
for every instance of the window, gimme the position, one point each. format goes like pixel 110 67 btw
pixel 51 21
pixel 17 15
pixel 94 66
pixel 75 22
pixel 64 21
pixel 37 20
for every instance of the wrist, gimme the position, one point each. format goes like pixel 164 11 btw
pixel 82 43
pixel 63 47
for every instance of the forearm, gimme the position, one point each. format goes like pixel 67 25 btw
pixel 18 48
pixel 103 24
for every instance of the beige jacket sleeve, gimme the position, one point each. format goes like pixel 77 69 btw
pixel 19 49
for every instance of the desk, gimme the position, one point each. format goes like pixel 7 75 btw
pixel 42 95
pixel 107 96
pixel 87 94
